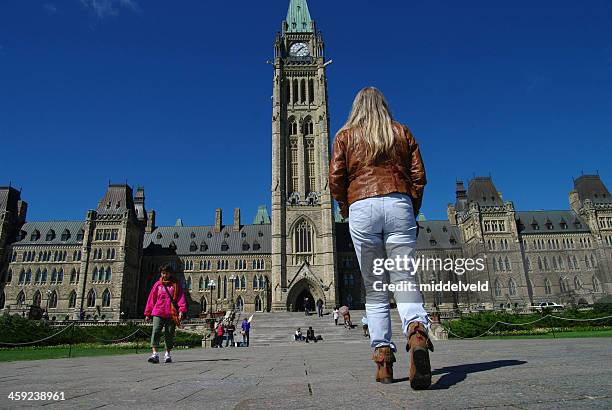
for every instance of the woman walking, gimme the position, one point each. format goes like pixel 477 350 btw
pixel 377 176
pixel 166 304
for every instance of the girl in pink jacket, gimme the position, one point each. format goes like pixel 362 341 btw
pixel 166 304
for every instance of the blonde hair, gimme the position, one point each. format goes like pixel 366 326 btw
pixel 371 122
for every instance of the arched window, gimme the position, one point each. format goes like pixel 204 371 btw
pixel 507 263
pixel 243 282
pixel 91 298
pixel 21 298
pixel 201 283
pixel 203 304
pixel 2 300
pixel 239 304
pixel 218 287
pixel 295 91
pixel 511 288
pixel 577 283
pixel 302 90
pixel 258 304
pixel 44 276
pixel 36 300
pixel 22 277
pixel 303 238
pixel 236 282
pixel 53 300
pixel 596 285
pixel 255 282
pixel 207 283
pixel 72 299
pixel 106 298
pixel 37 277
pixel 225 287
pixel 562 285
pixel 311 95
pixel 54 276
pixel 109 274
pixel 73 276
pixel 50 235
pixel 65 235
pixel 94 275
pixel 9 276
pixel 28 276
pixel 547 287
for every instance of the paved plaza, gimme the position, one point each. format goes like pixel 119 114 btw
pixel 543 374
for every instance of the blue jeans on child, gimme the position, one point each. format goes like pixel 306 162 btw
pixel 385 227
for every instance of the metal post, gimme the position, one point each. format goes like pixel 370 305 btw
pixel 71 341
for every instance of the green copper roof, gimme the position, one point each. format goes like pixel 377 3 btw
pixel 262 216
pixel 298 17
pixel 421 217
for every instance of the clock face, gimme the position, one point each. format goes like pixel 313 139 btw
pixel 299 50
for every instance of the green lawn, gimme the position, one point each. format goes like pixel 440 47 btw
pixel 558 335
pixel 60 352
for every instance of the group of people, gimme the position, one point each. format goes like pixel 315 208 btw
pixel 310 335
pixel 227 332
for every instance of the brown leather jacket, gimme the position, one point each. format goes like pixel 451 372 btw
pixel 351 178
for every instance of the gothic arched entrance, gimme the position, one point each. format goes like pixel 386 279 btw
pixel 302 290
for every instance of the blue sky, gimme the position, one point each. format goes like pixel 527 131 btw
pixel 175 96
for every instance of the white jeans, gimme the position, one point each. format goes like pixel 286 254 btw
pixel 385 227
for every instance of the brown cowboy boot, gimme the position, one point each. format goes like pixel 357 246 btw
pixel 384 358
pixel 418 346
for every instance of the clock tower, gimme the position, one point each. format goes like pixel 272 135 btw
pixel 303 247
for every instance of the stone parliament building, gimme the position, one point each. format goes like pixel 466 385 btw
pixel 106 263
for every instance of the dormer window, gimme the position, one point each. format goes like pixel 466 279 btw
pixel 256 246
pixel 209 235
pixel 260 234
pixel 224 246
pixel 549 225
pixel 203 246
pixel 193 247
pixel 433 242
pixel 118 205
pixel 172 245
pixel 243 234
pixel 535 226
pixel 176 235
pixel 50 235
pixel 159 235
pixel 192 235
pixel 245 246
pixel 65 235
pixel 226 235
pixel 444 229
pixel 80 235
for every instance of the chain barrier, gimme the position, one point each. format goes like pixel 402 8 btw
pixel 523 324
pixel 37 341
pixel 74 325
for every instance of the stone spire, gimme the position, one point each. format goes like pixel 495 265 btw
pixel 298 17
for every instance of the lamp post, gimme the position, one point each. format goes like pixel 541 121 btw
pixel 211 286
pixel 232 278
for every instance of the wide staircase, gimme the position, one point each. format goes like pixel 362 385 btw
pixel 279 327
